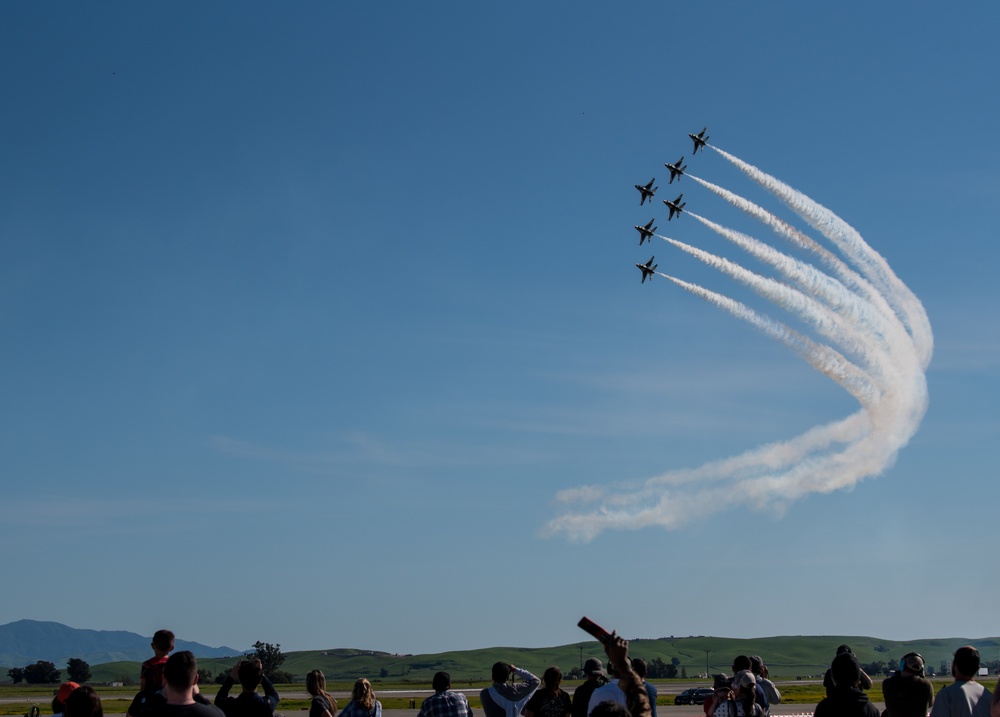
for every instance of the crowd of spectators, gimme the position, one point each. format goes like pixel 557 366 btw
pixel 169 688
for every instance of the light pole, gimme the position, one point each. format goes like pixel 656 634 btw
pixel 707 671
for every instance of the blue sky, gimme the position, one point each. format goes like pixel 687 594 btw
pixel 310 311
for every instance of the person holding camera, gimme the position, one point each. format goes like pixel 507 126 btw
pixel 505 697
pixel 248 703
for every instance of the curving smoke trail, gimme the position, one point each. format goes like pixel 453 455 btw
pixel 875 341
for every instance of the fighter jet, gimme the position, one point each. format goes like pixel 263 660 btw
pixel 644 231
pixel 699 139
pixel 647 269
pixel 646 191
pixel 676 170
pixel 675 206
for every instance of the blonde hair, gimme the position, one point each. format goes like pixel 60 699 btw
pixel 316 686
pixel 363 693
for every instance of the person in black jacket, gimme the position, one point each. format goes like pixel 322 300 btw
pixel 846 698
pixel 248 703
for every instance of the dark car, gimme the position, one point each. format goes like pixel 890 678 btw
pixel 694 696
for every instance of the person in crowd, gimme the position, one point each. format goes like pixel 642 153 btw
pixel 363 702
pixel 742 663
pixel 636 699
pixel 908 693
pixel 722 690
pixel 594 670
pixel 995 707
pixel 639 665
pixel 179 696
pixel 248 703
pixel 759 670
pixel 505 698
pixel 609 692
pixel 151 672
pixel 550 700
pixel 59 701
pixel 845 697
pixel 444 702
pixel 743 702
pixel 323 704
pixel 83 702
pixel 865 682
pixel 964 697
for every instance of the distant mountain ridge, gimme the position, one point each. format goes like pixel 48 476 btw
pixel 27 641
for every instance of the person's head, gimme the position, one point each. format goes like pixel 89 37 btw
pixel 315 683
pixel 163 642
pixel 965 665
pixel 441 682
pixel 181 671
pixel 610 708
pixel 65 690
pixel 845 670
pixel 845 649
pixel 501 672
pixel 250 673
pixel 757 666
pixel 740 663
pixel 593 669
pixel 363 694
pixel 744 682
pixel 552 677
pixel 639 667
pixel 83 702
pixel 913 663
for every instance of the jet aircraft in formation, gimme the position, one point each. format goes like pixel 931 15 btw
pixel 676 170
pixel 699 139
pixel 644 231
pixel 647 269
pixel 676 206
pixel 646 191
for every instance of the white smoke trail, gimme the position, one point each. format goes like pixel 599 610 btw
pixel 872 264
pixel 872 316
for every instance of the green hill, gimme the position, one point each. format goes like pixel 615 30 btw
pixel 786 657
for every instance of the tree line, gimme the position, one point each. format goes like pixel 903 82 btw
pixel 44 672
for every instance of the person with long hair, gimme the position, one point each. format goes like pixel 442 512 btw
pixel 550 700
pixel 323 704
pixel 363 702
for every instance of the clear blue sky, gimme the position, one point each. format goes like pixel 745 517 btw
pixel 310 310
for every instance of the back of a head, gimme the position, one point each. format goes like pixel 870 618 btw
pixel 639 665
pixel 442 681
pixel 363 694
pixel 552 677
pixel 742 662
pixel 610 708
pixel 966 662
pixel 501 672
pixel 756 665
pixel 250 674
pixel 845 649
pixel 83 702
pixel 743 681
pixel 163 641
pixel 315 682
pixel 181 670
pixel 845 670
pixel 913 663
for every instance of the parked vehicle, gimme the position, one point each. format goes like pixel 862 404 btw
pixel 694 696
